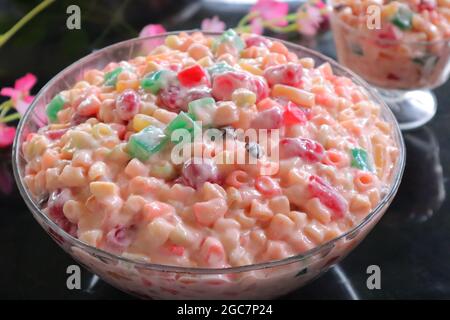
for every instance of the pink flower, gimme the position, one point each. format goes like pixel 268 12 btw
pixel 6 135
pixel 152 30
pixel 271 9
pixel 213 25
pixel 256 26
pixel 309 19
pixel 20 94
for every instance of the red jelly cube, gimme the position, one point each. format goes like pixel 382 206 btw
pixel 307 149
pixel 293 115
pixel 328 196
pixel 191 76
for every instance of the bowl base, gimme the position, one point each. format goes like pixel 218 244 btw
pixel 412 109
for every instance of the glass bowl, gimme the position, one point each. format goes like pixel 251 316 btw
pixel 403 71
pixel 146 280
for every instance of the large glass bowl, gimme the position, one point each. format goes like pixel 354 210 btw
pixel 404 72
pixel 146 280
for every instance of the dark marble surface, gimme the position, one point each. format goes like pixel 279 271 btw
pixel 411 243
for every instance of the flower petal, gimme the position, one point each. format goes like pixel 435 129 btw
pixel 6 135
pixel 21 105
pixel 25 83
pixel 10 92
pixel 152 30
pixel 213 25
pixel 271 9
pixel 309 19
pixel 256 26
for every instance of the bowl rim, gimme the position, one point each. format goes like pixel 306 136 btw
pixel 396 175
pixel 334 19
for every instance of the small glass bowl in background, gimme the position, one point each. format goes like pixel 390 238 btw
pixel 403 71
pixel 146 280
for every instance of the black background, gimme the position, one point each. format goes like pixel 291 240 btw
pixel 411 244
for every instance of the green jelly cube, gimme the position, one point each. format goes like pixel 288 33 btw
pixel 360 159
pixel 182 121
pixel 110 78
pixel 203 110
pixel 152 82
pixel 148 141
pixel 230 36
pixel 157 80
pixel 219 68
pixel 54 107
pixel 403 18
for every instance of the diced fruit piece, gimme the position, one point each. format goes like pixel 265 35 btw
pixel 54 107
pixel 219 67
pixel 203 110
pixel 289 74
pixel 258 41
pixel 428 5
pixel 243 97
pixel 224 84
pixel 328 196
pixel 356 49
pixel 181 121
pixel 232 37
pixel 110 78
pixel 142 121
pixel 308 150
pixel 120 237
pixel 360 159
pixel 157 80
pixel 171 97
pixel 55 205
pixel 293 115
pixel 389 33
pixel 268 119
pixel 176 98
pixel 260 88
pixel 403 18
pixel 146 142
pixel 191 76
pixel 176 250
pixel 127 104
pixel 197 171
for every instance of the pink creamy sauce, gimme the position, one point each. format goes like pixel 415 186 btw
pixel 105 174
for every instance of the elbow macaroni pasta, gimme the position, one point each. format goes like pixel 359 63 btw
pixel 336 155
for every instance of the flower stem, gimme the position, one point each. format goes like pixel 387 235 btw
pixel 5 107
pixel 289 28
pixel 243 29
pixel 19 24
pixel 249 16
pixel 11 117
